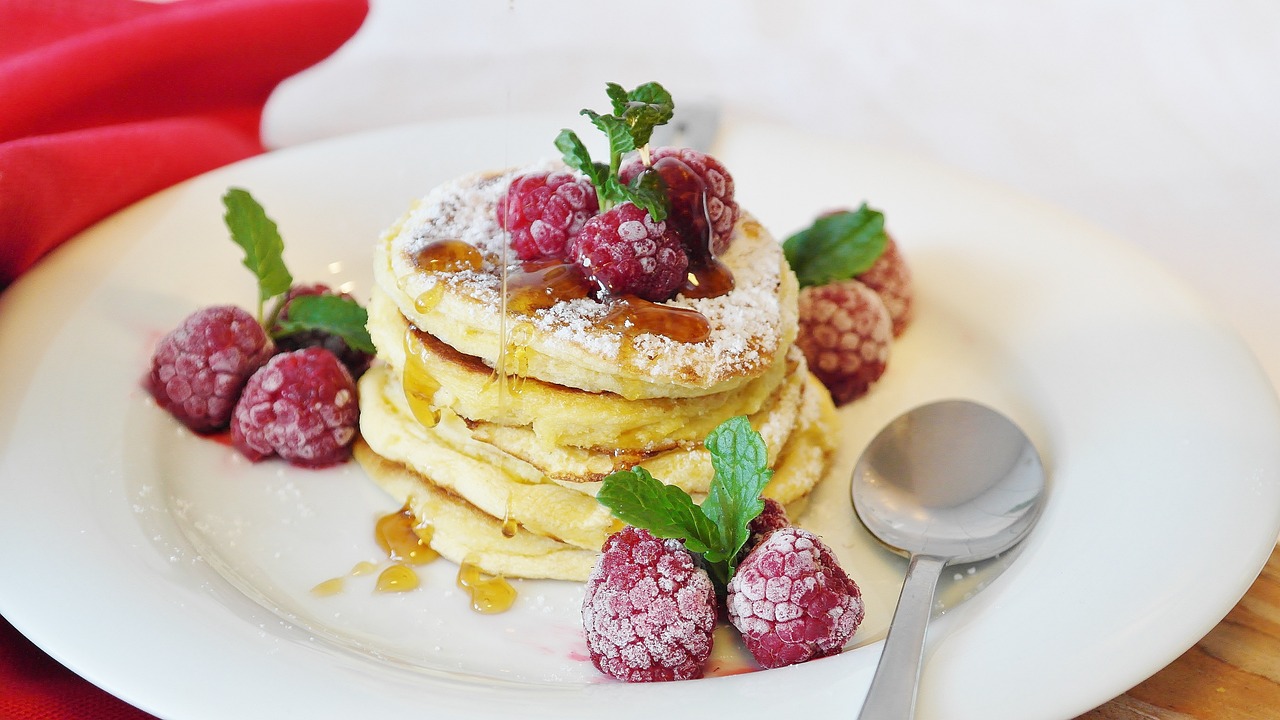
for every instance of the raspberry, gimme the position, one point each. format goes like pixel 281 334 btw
pixel 773 517
pixel 845 333
pixel 544 211
pixel 198 370
pixel 791 601
pixel 300 406
pixel 627 253
pixel 649 610
pixel 720 207
pixel 357 362
pixel 890 277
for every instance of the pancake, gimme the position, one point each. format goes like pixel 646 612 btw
pixel 506 392
pixel 558 415
pixel 427 472
pixel 457 297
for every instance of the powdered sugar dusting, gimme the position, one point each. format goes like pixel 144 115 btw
pixel 749 325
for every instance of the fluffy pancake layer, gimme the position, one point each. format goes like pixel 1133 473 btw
pixel 568 344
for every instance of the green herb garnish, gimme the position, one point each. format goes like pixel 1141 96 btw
pixel 635 114
pixel 260 239
pixel 263 247
pixel 721 526
pixel 334 314
pixel 837 246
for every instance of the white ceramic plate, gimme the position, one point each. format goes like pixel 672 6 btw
pixel 174 574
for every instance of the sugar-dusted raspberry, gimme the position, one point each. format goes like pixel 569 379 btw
pixel 627 253
pixel 356 361
pixel 890 277
pixel 198 370
pixel 301 406
pixel 721 209
pixel 542 211
pixel 791 600
pixel 845 333
pixel 649 610
pixel 773 517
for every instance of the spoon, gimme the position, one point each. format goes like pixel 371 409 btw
pixel 948 482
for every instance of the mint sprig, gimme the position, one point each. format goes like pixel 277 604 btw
pixel 837 246
pixel 718 528
pixel 635 114
pixel 334 314
pixel 259 237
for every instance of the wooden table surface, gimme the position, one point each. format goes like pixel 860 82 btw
pixel 1233 673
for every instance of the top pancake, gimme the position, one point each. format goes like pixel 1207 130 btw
pixel 567 344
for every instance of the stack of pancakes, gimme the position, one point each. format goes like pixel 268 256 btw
pixel 498 407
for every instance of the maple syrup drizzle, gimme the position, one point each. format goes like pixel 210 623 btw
pixel 490 594
pixel 707 279
pixel 633 316
pixel 509 523
pixel 419 384
pixel 448 256
pixel 332 586
pixel 543 283
pixel 401 538
pixel 397 578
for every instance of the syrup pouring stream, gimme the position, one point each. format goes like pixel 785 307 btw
pixel 948 482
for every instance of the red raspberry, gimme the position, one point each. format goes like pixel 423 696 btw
pixel 890 277
pixel 720 207
pixel 845 333
pixel 198 370
pixel 773 517
pixel 791 600
pixel 627 253
pixel 300 406
pixel 357 362
pixel 649 610
pixel 544 211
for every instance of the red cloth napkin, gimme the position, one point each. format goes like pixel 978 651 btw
pixel 103 102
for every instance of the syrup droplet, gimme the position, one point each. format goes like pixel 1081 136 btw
pixel 397 536
pixel 448 256
pixel 518 354
pixel 332 586
pixel 707 279
pixel 490 594
pixel 509 524
pixel 635 316
pixel 397 578
pixel 427 301
pixel 543 283
pixel 419 384
pixel 364 567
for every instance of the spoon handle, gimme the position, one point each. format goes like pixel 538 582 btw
pixel 893 688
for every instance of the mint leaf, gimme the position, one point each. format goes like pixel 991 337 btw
pixel 334 314
pixel 618 133
pixel 642 109
pixel 648 191
pixel 741 462
pixel 258 235
pixel 629 128
pixel 837 246
pixel 576 156
pixel 636 498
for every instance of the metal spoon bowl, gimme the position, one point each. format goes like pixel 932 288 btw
pixel 949 482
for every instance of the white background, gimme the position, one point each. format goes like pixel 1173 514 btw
pixel 1157 121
